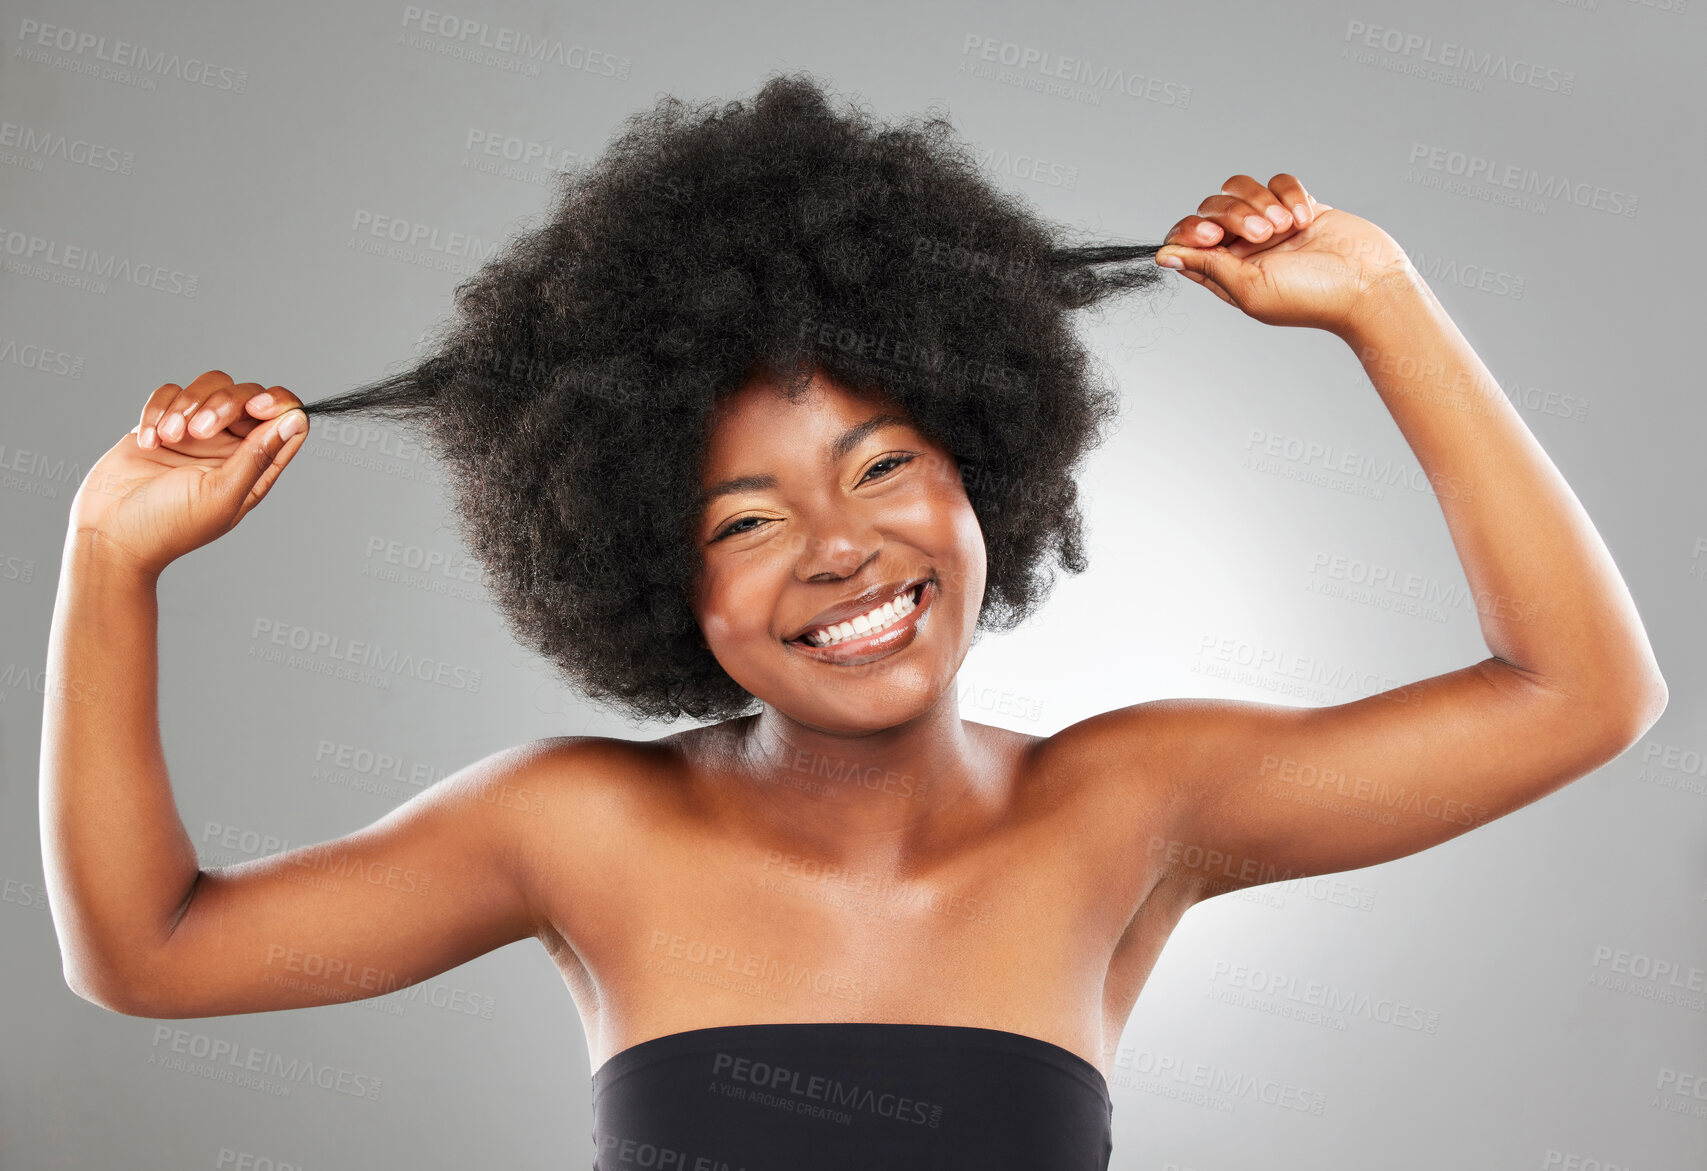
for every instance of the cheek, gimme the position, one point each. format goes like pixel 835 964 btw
pixel 957 541
pixel 730 609
pixel 969 544
pixel 970 536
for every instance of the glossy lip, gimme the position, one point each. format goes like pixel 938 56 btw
pixel 853 607
pixel 867 647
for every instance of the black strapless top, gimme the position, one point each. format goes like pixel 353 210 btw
pixel 844 1095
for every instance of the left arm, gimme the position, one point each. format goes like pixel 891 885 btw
pixel 1553 608
pixel 1262 792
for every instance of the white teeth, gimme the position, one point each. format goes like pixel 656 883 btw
pixel 891 611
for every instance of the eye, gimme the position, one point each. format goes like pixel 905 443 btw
pixel 732 529
pixel 897 460
pixel 729 530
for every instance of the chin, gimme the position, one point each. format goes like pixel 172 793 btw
pixel 865 697
pixel 863 704
pixel 860 688
pixel 879 679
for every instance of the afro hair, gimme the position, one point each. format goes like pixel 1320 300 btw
pixel 570 391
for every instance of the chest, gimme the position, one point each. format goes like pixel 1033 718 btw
pixel 697 927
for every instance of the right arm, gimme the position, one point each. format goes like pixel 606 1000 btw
pixel 146 932
pixel 143 929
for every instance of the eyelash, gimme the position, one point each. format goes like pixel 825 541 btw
pixel 728 530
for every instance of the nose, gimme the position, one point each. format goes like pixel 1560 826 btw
pixel 838 543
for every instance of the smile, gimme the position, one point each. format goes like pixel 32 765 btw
pixel 882 637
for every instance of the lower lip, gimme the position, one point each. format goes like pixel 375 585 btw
pixel 866 647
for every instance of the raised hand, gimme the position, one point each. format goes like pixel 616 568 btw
pixel 199 459
pixel 1283 257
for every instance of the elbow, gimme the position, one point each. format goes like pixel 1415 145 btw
pixel 1646 700
pixel 1647 695
pixel 115 994
pixel 1612 708
pixel 103 991
pixel 1649 715
pixel 1629 719
pixel 1604 717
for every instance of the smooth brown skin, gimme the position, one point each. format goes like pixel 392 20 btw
pixel 1045 873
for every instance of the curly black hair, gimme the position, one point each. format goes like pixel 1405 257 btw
pixel 570 390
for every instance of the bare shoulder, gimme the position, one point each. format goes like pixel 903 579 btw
pixel 569 760
pixel 1125 756
pixel 1124 774
pixel 579 811
pixel 1256 792
pixel 585 777
pixel 552 798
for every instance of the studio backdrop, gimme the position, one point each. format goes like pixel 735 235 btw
pixel 290 194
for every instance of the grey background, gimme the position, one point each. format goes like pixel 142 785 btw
pixel 1500 938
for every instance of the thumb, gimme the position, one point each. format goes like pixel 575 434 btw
pixel 1217 264
pixel 243 479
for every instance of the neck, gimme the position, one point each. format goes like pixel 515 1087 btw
pixel 884 789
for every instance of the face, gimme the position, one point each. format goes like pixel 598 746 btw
pixel 835 499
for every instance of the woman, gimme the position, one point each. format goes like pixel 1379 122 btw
pixel 775 413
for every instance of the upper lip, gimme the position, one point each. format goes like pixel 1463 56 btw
pixel 862 603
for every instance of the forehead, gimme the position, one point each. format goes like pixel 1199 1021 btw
pixel 758 426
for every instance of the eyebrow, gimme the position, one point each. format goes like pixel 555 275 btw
pixel 845 443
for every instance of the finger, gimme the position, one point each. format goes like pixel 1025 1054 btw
pixel 1222 268
pixel 249 472
pixel 1265 202
pixel 1290 191
pixel 173 423
pixel 1301 202
pixel 1194 230
pixel 276 465
pixel 274 400
pixel 151 412
pixel 219 408
pixel 1236 217
pixel 209 381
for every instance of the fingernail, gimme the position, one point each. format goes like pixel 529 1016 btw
pixel 1257 225
pixel 1169 261
pixel 293 422
pixel 261 401
pixel 1301 213
pixel 202 423
pixel 146 437
pixel 1278 215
